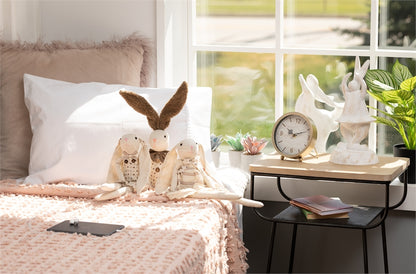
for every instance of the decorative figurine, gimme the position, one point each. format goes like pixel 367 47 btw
pixel 325 120
pixel 354 121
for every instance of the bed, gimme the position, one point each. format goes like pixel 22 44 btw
pixel 51 168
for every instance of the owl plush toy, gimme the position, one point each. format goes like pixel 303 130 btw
pixel 129 168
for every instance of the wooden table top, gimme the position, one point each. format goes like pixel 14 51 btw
pixel 387 169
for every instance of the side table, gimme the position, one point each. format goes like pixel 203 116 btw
pixel 319 168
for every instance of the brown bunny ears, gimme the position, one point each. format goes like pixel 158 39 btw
pixel 172 108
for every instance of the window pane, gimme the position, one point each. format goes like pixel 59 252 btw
pixel 329 70
pixel 397 24
pixel 331 24
pixel 387 136
pixel 243 91
pixel 235 22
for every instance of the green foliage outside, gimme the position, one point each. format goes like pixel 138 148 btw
pixel 243 91
pixel 244 85
pixel 267 7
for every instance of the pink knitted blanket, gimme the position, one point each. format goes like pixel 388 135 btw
pixel 160 236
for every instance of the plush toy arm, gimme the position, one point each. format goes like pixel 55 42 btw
pixel 113 194
pixel 110 186
pixel 249 203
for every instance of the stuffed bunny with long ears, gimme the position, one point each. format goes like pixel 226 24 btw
pixel 186 174
pixel 159 138
pixel 129 168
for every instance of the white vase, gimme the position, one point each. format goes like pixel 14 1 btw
pixel 235 158
pixel 216 157
pixel 247 159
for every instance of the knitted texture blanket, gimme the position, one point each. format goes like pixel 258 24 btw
pixel 160 236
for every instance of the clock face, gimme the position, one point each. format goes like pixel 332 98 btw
pixel 294 135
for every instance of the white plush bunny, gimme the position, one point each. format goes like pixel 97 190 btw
pixel 129 168
pixel 185 174
pixel 159 138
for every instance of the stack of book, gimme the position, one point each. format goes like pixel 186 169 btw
pixel 322 207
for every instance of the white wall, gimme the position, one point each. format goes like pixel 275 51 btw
pixel 96 19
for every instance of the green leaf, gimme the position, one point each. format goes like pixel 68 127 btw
pixel 385 121
pixel 376 95
pixel 379 80
pixel 391 96
pixel 406 95
pixel 408 84
pixel 400 72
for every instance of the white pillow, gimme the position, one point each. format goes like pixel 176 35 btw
pixel 77 126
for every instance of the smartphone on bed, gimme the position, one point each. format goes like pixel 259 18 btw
pixel 98 229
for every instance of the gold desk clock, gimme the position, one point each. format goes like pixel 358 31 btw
pixel 294 135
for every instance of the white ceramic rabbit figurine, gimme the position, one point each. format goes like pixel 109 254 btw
pixel 159 138
pixel 185 174
pixel 129 168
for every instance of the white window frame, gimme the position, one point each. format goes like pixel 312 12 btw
pixel 176 61
pixel 177 50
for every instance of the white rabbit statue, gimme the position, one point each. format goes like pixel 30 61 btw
pixel 159 138
pixel 185 174
pixel 129 168
pixel 325 120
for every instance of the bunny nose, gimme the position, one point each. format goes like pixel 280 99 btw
pixel 154 140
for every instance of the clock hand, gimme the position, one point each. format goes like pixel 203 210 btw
pixel 300 132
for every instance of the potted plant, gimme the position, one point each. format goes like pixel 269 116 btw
pixel 236 149
pixel 252 150
pixel 215 143
pixel 396 91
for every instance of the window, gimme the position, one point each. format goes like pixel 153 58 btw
pixel 251 52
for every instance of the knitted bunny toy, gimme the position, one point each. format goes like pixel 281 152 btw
pixel 159 138
pixel 185 174
pixel 129 168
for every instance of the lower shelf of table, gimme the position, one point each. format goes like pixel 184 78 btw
pixel 360 217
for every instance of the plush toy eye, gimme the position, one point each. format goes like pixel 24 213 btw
pixel 180 144
pixel 135 138
pixel 164 136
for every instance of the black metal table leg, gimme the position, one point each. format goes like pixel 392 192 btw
pixel 364 234
pixel 271 244
pixel 292 249
pixel 383 235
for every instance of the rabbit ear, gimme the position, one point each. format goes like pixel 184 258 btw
pixel 145 165
pixel 140 104
pixel 174 106
pixel 202 155
pixel 112 175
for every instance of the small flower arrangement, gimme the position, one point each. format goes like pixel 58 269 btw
pixel 215 141
pixel 253 145
pixel 235 142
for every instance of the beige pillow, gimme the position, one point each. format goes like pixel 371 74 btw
pixel 124 61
